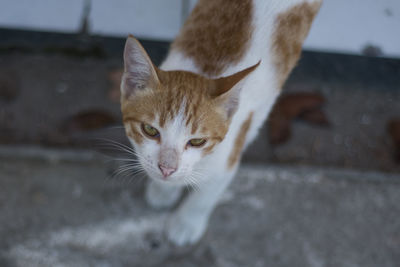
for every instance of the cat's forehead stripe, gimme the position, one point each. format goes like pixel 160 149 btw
pixel 181 100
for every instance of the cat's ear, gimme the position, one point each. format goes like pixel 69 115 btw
pixel 227 90
pixel 139 72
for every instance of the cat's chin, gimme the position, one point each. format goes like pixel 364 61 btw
pixel 172 180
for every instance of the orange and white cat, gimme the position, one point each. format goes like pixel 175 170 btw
pixel 190 119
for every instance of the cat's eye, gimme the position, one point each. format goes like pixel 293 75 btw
pixel 150 130
pixel 197 142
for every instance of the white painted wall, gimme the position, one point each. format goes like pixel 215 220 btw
pixel 49 15
pixel 345 26
pixel 348 26
pixel 154 19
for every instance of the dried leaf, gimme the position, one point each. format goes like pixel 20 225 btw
pixel 292 105
pixel 315 116
pixel 304 105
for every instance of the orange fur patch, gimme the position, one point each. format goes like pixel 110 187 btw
pixel 216 34
pixel 133 131
pixel 239 142
pixel 292 28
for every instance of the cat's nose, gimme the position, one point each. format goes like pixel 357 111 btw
pixel 166 171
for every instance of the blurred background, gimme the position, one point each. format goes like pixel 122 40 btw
pixel 329 155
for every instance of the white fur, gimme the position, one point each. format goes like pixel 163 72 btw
pixel 258 94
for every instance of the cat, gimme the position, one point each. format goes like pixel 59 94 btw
pixel 190 120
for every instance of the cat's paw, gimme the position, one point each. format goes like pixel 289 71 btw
pixel 159 196
pixel 184 230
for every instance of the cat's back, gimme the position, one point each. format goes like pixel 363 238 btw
pixel 221 37
pixel 216 34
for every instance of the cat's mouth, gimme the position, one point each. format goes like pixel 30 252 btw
pixel 180 177
pixel 157 174
pixel 173 179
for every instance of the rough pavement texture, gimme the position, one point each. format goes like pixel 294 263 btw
pixel 63 209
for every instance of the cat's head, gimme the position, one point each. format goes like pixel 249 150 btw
pixel 174 118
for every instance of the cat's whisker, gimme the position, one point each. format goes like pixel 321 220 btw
pixel 128 166
pixel 134 174
pixel 124 167
pixel 187 184
pixel 193 184
pixel 198 173
pixel 198 178
pixel 129 172
pixel 127 152
pixel 130 163
pixel 123 159
pixel 110 144
pixel 140 172
pixel 115 127
pixel 120 171
pixel 115 144
pixel 191 180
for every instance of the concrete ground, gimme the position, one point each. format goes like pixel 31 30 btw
pixel 63 208
pixel 330 196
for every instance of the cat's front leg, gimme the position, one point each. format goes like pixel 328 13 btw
pixel 159 195
pixel 188 224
